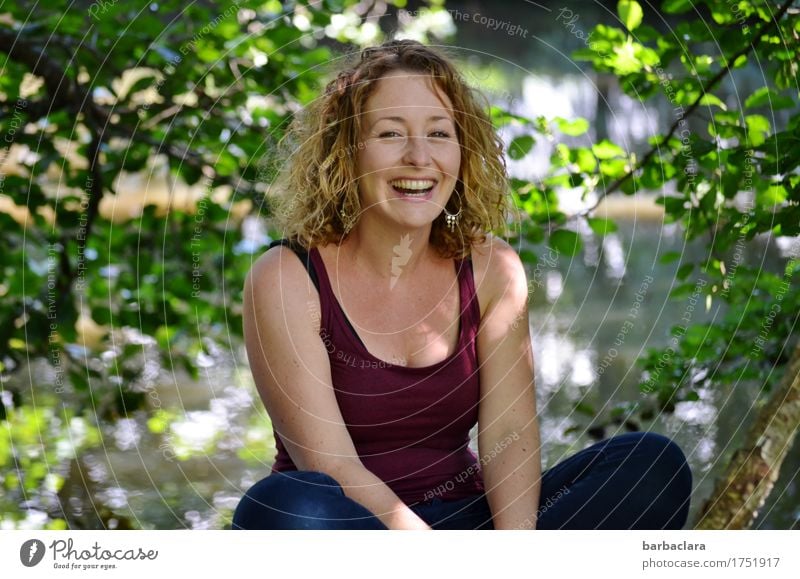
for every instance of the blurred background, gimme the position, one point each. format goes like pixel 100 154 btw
pixel 653 154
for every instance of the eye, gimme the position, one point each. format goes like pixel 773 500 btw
pixel 441 134
pixel 389 135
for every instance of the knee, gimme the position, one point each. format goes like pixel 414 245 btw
pixel 283 500
pixel 665 477
pixel 664 460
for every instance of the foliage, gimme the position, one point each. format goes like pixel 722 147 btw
pixel 33 473
pixel 724 171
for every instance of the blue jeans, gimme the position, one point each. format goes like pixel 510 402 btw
pixel 638 480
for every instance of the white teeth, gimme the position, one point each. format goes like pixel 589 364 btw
pixel 414 184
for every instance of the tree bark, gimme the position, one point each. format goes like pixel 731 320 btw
pixel 752 472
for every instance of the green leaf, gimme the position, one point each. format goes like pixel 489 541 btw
pixel 625 59
pixel 601 226
pixel 528 256
pixel 672 205
pixel 614 168
pixel 669 257
pixel 534 234
pixel 79 379
pixel 164 336
pixel 684 271
pixel 740 61
pixel 681 291
pixel 605 149
pixel 758 128
pixel 160 421
pixel 501 117
pixel 584 158
pixel 774 195
pixel 584 407
pixel 566 242
pixel 630 13
pixel 520 147
pixel 677 6
pixel 766 97
pixel 572 128
pixel 712 99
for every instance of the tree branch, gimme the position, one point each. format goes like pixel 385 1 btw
pixel 755 467
pixel 59 85
pixel 66 94
pixel 693 107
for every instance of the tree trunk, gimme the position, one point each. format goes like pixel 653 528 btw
pixel 752 473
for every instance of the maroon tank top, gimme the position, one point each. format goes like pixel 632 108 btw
pixel 410 426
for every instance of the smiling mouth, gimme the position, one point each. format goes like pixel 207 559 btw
pixel 413 187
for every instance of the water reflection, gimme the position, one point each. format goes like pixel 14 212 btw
pixel 605 314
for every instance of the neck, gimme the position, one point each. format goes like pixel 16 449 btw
pixel 390 253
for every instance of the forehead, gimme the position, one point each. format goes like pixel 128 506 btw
pixel 405 89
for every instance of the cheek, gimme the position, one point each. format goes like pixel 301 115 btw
pixel 363 164
pixel 369 160
pixel 455 161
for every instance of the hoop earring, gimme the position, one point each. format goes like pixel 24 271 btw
pixel 348 220
pixel 452 219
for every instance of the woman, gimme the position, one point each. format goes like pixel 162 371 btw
pixel 404 323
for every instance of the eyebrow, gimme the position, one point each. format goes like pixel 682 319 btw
pixel 401 119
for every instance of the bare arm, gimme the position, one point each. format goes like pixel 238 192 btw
pixel 508 431
pixel 292 373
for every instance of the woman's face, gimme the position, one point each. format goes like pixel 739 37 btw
pixel 409 156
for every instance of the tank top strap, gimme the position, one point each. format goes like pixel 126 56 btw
pixel 302 254
pixel 470 308
pixel 327 299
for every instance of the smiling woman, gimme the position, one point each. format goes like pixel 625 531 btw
pixel 404 323
pixel 411 161
pixel 316 198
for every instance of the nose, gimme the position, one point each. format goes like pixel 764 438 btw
pixel 417 152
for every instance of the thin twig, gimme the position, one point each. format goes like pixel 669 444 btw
pixel 692 108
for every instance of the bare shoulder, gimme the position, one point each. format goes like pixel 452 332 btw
pixel 499 273
pixel 277 260
pixel 280 279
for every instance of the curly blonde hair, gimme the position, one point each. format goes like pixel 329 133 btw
pixel 317 183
